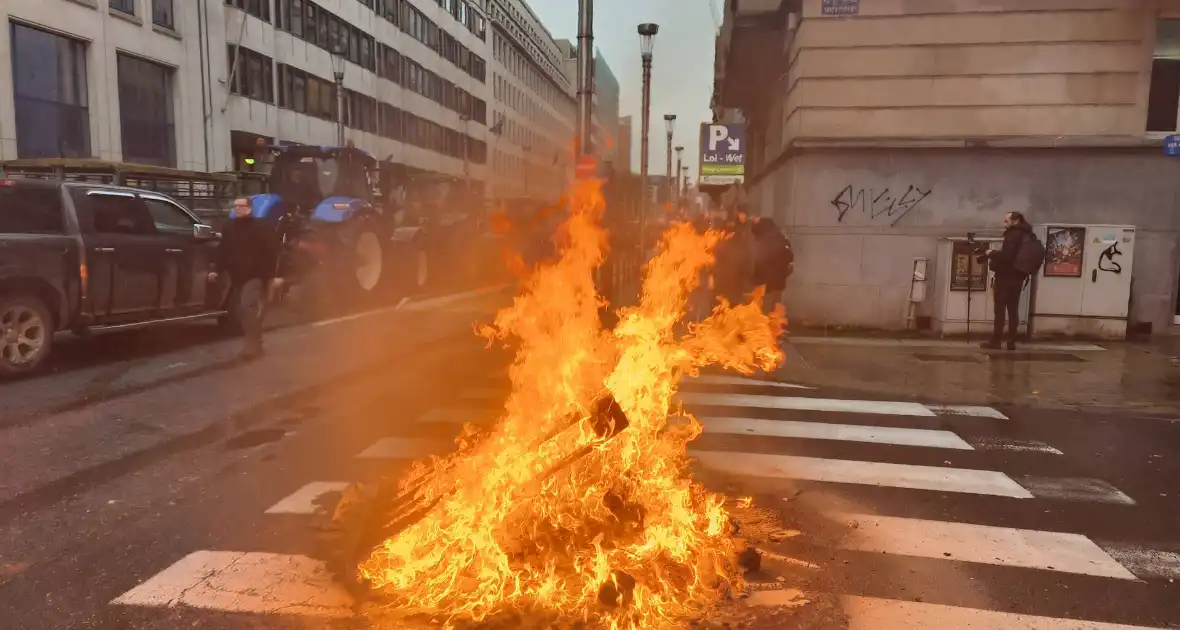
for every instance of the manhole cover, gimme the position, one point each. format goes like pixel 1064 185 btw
pixel 1060 357
pixel 949 358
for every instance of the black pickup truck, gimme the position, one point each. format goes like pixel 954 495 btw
pixel 84 257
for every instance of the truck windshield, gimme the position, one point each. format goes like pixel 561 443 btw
pixel 312 179
pixel 30 209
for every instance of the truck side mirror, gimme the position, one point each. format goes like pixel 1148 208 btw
pixel 203 232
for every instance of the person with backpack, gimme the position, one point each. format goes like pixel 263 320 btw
pixel 774 261
pixel 1020 256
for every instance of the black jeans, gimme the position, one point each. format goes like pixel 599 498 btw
pixel 1007 298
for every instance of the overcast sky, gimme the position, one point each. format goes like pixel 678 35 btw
pixel 682 67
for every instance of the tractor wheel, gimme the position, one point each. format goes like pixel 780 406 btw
pixel 364 264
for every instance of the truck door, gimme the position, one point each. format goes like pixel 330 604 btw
pixel 127 257
pixel 188 260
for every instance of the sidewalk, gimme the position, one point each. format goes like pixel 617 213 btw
pixel 1143 377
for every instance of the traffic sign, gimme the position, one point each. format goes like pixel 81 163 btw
pixel 1172 145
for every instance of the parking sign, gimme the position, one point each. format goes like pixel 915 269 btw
pixel 723 154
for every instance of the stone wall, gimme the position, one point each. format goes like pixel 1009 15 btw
pixel 857 219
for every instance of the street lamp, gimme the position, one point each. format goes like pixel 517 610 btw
pixel 647 35
pixel 684 184
pixel 670 126
pixel 339 56
pixel 679 154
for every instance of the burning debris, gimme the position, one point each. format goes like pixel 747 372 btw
pixel 575 509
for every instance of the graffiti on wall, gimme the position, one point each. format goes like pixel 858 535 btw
pixel 875 204
pixel 1107 262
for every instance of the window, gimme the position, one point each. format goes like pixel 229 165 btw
pixel 168 218
pixel 49 94
pixel 1164 97
pixel 125 6
pixel 295 25
pixel 163 14
pixel 30 209
pixel 253 74
pixel 146 111
pixel 119 214
pixel 258 8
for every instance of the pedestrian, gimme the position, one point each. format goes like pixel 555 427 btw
pixel 1011 265
pixel 774 261
pixel 734 269
pixel 249 255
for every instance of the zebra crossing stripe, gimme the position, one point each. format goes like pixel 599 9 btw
pixel 1146 563
pixel 985 482
pixel 727 379
pixel 231 581
pixel 841 432
pixel 967 410
pixel 405 448
pixel 1075 489
pixel 304 500
pixel 456 415
pixel 798 403
pixel 984 544
pixel 869 613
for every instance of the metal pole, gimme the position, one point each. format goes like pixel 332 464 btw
pixel 676 182
pixel 585 77
pixel 643 157
pixel 669 182
pixel 340 109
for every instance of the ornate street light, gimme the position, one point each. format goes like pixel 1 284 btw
pixel 339 57
pixel 670 126
pixel 647 35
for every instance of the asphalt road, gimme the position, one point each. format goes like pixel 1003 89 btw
pixel 192 500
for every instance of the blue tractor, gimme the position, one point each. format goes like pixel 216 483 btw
pixel 334 214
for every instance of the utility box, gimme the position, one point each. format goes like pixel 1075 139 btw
pixel 1084 287
pixel 965 288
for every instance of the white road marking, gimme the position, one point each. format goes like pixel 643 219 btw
pixel 806 404
pixel 1018 446
pixel 1146 563
pixel 303 500
pixel 967 481
pixel 933 343
pixel 726 379
pixel 443 300
pixel 841 432
pixel 262 583
pixel 1075 489
pixel 405 448
pixel 457 415
pixel 868 613
pixel 984 544
pixel 407 304
pixel 966 410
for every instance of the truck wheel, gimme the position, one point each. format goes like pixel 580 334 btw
pixel 26 334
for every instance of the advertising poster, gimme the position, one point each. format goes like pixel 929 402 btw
pixel 967 264
pixel 1063 252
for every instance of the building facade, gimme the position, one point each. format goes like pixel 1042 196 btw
pixel 625 144
pixel 877 128
pixel 535 114
pixel 195 83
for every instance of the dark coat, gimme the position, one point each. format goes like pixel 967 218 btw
pixel 773 258
pixel 248 250
pixel 1003 261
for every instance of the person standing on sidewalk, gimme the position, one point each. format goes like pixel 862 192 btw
pixel 1016 259
pixel 249 254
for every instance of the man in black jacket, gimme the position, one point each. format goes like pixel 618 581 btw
pixel 249 255
pixel 773 261
pixel 1009 280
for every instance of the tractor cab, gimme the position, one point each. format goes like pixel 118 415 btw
pixel 318 184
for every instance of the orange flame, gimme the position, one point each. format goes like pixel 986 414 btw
pixel 621 538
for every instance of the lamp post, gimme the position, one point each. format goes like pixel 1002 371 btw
pixel 670 126
pixel 339 56
pixel 647 34
pixel 684 181
pixel 676 186
pixel 585 77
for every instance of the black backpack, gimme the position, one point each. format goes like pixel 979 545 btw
pixel 1030 256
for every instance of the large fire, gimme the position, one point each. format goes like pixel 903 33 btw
pixel 576 509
